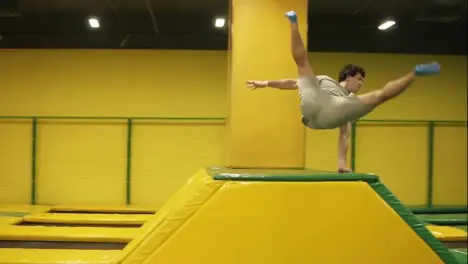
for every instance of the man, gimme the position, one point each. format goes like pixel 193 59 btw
pixel 328 104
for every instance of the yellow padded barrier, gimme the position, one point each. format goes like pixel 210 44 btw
pixel 447 233
pixel 105 209
pixel 283 222
pixel 83 234
pixel 24 208
pixel 120 219
pixel 256 130
pixel 62 256
pixel 9 220
pixel 182 205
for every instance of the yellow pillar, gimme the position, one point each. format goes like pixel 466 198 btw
pixel 264 126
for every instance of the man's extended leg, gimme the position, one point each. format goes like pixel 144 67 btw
pixel 298 49
pixel 341 110
pixel 396 87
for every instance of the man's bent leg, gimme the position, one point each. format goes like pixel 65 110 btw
pixel 312 97
pixel 398 86
pixel 309 88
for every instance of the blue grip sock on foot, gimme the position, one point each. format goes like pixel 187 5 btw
pixel 427 69
pixel 292 16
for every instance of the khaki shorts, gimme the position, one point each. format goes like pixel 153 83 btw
pixel 321 110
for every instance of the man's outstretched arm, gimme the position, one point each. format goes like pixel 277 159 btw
pixel 343 143
pixel 284 84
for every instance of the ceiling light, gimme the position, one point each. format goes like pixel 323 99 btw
pixel 219 22
pixel 93 22
pixel 387 24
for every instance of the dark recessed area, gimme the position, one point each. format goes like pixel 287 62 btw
pixel 25 223
pixel 61 245
pixel 455 244
pixel 101 212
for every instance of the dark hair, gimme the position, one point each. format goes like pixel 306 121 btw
pixel 350 70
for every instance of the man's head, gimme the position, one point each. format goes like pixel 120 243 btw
pixel 352 77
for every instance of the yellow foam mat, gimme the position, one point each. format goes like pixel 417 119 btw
pixel 9 220
pixel 277 223
pixel 107 209
pixel 121 219
pixel 62 256
pixel 84 234
pixel 22 208
pixel 447 233
pixel 182 205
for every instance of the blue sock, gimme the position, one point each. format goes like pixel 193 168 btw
pixel 427 69
pixel 292 16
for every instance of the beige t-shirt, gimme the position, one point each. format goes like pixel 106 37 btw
pixel 332 87
pixel 347 109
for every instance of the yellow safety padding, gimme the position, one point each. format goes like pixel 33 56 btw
pixel 24 208
pixel 82 234
pixel 447 233
pixel 62 256
pixel 264 128
pixel 104 209
pixel 119 219
pixel 288 222
pixel 177 210
pixel 9 220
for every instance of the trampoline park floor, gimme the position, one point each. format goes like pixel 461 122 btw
pixel 454 221
pixel 112 229
pixel 44 227
pixel 460 219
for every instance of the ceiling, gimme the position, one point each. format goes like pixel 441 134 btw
pixel 424 26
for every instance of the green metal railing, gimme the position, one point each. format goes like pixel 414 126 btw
pixel 129 160
pixel 430 164
pixel 431 124
pixel 33 161
pixel 129 121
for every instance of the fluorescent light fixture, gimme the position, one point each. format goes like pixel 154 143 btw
pixel 93 22
pixel 387 24
pixel 219 22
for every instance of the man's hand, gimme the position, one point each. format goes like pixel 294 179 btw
pixel 344 169
pixel 256 84
pixel 345 132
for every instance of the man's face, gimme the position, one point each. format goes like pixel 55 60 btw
pixel 354 83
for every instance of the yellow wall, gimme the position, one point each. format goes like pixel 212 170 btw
pixel 83 162
pixel 256 117
pixel 15 161
pixel 81 156
pixel 450 182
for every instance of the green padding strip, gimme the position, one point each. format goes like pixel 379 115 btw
pixel 285 175
pixel 445 219
pixel 441 210
pixel 447 222
pixel 460 255
pixel 419 227
pixel 169 118
pixel 13 214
